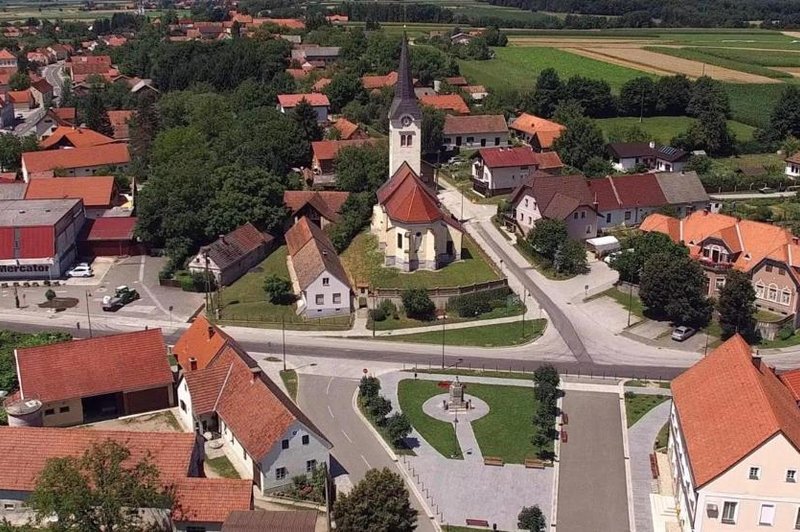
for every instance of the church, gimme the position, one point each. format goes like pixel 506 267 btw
pixel 414 232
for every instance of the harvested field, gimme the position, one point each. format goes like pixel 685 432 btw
pixel 794 71
pixel 555 42
pixel 662 64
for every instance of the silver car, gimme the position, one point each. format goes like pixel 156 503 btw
pixel 81 270
pixel 682 333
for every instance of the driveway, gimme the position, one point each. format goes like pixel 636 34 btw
pixel 592 493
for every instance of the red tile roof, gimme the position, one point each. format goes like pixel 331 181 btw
pixel 120 122
pixel 95 366
pixel 626 191
pixel 406 198
pixel 95 191
pixel 327 203
pixel 463 125
pixel 504 157
pixel 312 254
pixel 287 101
pixel 251 405
pixel 345 128
pixel 25 450
pixel 557 196
pixel 794 158
pixel 320 84
pixel 201 341
pixel 792 381
pixel 728 405
pixel 66 114
pixel 76 137
pixel 104 155
pixel 326 150
pixel 111 228
pixel 297 73
pixel 20 97
pixel 457 81
pixel 446 102
pixel 210 500
pixel 379 82
pixel 42 85
pixel 5 54
pixel 546 131
pixel 236 245
pixel 291 23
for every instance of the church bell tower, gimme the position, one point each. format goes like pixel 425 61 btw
pixel 405 119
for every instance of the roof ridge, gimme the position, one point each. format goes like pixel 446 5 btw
pixel 614 190
pixel 222 388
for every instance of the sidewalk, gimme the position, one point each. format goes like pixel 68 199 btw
pixel 642 436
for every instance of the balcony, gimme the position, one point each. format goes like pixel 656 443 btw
pixel 716 266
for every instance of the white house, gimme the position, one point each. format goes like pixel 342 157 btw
pixel 501 170
pixel 474 131
pixel 266 436
pixel 793 165
pixel 627 156
pixel 733 448
pixel 564 198
pixel 232 255
pixel 318 277
pixel 320 103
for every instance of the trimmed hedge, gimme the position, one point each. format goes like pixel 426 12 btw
pixel 477 303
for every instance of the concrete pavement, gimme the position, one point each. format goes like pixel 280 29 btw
pixel 641 438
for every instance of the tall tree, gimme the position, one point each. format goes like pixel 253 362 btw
pixel 19 81
pixel 548 92
pixel 362 168
pixel 676 289
pixel 571 258
pixel 638 96
pixel 785 117
pixel 581 141
pixel 432 129
pixel 97 490
pixel 594 95
pixel 344 88
pixel 94 113
pixel 379 503
pixel 547 236
pixel 708 95
pixel 306 117
pixel 674 93
pixel 143 129
pixel 710 132
pixel 736 306
pixel 638 251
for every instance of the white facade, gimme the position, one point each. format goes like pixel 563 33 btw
pixel 321 110
pixel 623 217
pixel 405 143
pixel 667 166
pixel 792 169
pixel 326 296
pixel 475 140
pixel 626 164
pixel 526 213
pixel 81 171
pixel 500 179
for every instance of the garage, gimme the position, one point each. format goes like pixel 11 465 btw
pixel 109 237
pixel 147 400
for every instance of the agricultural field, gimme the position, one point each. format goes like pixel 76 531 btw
pixel 714 63
pixel 663 128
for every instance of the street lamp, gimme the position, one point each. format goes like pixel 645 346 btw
pixel 88 314
pixel 444 322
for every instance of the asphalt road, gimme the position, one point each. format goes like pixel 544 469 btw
pixel 327 402
pixel 592 492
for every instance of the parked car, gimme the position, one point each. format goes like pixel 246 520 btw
pixel 682 333
pixel 80 270
pixel 767 190
pixel 122 296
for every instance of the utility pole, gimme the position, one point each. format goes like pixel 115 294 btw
pixel 641 109
pixel 283 340
pixel 444 322
pixel 630 302
pixel 524 309
pixel 88 314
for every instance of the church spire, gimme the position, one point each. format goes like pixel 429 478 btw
pixel 405 100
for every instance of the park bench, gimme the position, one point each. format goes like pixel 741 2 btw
pixel 478 522
pixel 533 463
pixel 654 465
pixel 492 461
pixel 564 436
pixel 564 418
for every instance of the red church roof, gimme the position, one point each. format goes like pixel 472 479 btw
pixel 406 198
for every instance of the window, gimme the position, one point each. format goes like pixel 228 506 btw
pixel 767 515
pixel 755 473
pixel 9 506
pixel 719 282
pixel 583 214
pixel 280 473
pixel 311 465
pixel 608 218
pixel 497 141
pixel 470 140
pixel 284 444
pixel 320 299
pixel 627 215
pixel 575 216
pixel 781 271
pixel 772 293
pixel 769 268
pixel 326 281
pixel 760 290
pixel 797 520
pixel 588 229
pixel 785 296
pixel 399 241
pixel 195 529
pixel 183 405
pixel 791 475
pixel 49 411
pixel 337 298
pixel 526 202
pixel 63 410
pixel 483 142
pixel 729 513
pixel 305 439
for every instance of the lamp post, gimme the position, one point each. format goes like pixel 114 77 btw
pixel 630 302
pixel 524 309
pixel 283 340
pixel 444 322
pixel 88 314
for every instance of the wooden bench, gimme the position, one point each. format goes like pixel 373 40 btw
pixel 533 463
pixel 564 418
pixel 493 461
pixel 564 436
pixel 478 522
pixel 654 465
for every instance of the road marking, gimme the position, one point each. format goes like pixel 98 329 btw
pixel 328 389
pixel 365 461
pixel 331 411
pixel 346 436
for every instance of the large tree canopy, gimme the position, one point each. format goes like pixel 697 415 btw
pixel 379 503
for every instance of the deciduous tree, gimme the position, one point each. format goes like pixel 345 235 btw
pixel 531 518
pixel 675 288
pixel 547 236
pixel 736 306
pixel 638 96
pixel 306 117
pixel 417 304
pixel 548 92
pixel 362 168
pixel 344 88
pixel 378 503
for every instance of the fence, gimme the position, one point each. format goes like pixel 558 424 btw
pixel 439 296
pixel 334 323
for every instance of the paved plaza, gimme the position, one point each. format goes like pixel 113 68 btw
pixel 467 489
pixel 592 492
pixel 641 437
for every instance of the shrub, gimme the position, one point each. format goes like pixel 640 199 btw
pixel 786 332
pixel 196 282
pixel 278 289
pixel 418 305
pixel 378 407
pixel 49 295
pixel 546 373
pixel 377 314
pixel 369 386
pixel 397 428
pixel 389 308
pixel 468 305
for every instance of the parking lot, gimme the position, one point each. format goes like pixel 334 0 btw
pixel 139 273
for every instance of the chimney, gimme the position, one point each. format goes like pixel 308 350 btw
pixel 192 364
pixel 210 331
pixel 254 372
pixel 325 252
pixel 652 144
pixel 222 239
pixel 757 361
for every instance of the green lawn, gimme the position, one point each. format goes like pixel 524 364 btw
pixel 498 335
pixel 662 439
pixel 246 302
pixel 637 406
pixel 440 435
pixel 662 129
pixel 777 343
pixel 519 375
pixel 222 467
pixel 517 67
pixel 507 429
pixel 289 378
pixel 767 59
pixel 404 322
pixel 364 264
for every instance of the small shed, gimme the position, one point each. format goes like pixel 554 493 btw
pixel 603 245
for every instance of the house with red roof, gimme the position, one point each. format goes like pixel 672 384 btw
pixel 500 170
pixel 347 130
pixel 474 131
pixel 767 253
pixel 120 123
pixel 324 152
pixel 734 446
pixel 318 277
pixel 536 131
pixel 449 103
pixel 373 82
pixel 75 162
pixel 85 380
pixel 793 165
pixel 564 198
pixel 267 438
pixel 110 236
pixel 99 193
pixel 320 103
pixel 322 208
pixel 234 254
pixel 74 137
pixel 42 92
